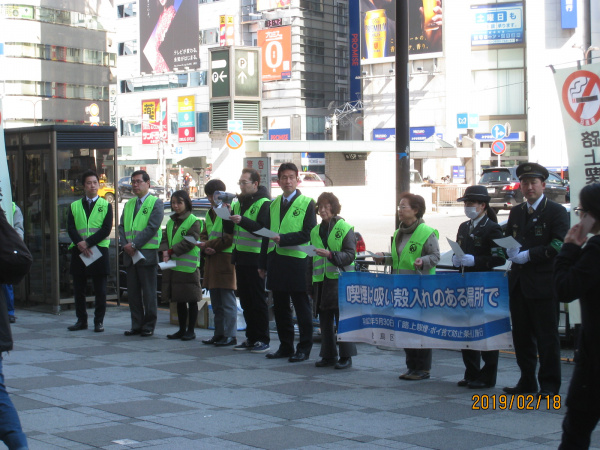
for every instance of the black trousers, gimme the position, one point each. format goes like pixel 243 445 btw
pixel 285 324
pixel 79 286
pixel 472 360
pixel 577 428
pixel 253 299
pixel 535 331
pixel 327 320
pixel 418 358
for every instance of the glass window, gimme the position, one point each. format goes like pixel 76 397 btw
pixel 202 122
pixel 209 36
pixel 499 92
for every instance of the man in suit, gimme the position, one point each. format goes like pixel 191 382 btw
pixel 140 235
pixel 89 222
pixel 292 216
pixel 540 226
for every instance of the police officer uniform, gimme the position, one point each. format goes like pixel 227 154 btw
pixel 533 305
pixel 476 238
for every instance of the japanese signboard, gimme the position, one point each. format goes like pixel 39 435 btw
pixel 154 121
pixel 276 44
pixel 246 72
pixel 226 31
pixel 219 73
pixel 497 24
pixel 186 118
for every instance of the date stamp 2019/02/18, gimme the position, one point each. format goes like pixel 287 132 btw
pixel 531 402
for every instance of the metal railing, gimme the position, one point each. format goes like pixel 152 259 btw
pixel 446 195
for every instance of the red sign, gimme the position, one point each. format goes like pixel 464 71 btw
pixel 276 44
pixel 154 121
pixel 581 97
pixel 498 147
pixel 234 140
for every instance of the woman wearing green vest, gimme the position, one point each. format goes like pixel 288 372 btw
pixel 415 249
pixel 336 249
pixel 181 284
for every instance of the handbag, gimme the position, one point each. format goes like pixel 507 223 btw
pixel 15 258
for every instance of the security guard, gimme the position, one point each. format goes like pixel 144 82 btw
pixel 292 216
pixel 89 223
pixel 476 239
pixel 540 226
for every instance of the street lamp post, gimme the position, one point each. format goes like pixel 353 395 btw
pixel 34 103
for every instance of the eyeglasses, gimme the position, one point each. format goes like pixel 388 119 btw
pixel 403 207
pixel 579 211
pixel 244 182
pixel 137 181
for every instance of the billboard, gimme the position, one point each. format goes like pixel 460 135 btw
pixel 186 118
pixel 378 30
pixel 168 35
pixel 154 121
pixel 276 44
pixel 497 24
pixel 265 5
pixel 226 31
pixel 354 45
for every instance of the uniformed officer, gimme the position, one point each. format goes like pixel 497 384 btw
pixel 476 239
pixel 539 225
pixel 89 222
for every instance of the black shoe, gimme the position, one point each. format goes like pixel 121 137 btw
pixel 176 335
pixel 298 357
pixel 213 340
pixel 78 326
pixel 416 375
pixel 277 355
pixel 12 319
pixel 480 384
pixel 147 333
pixel 463 383
pixel 518 389
pixel 132 332
pixel 226 341
pixel 344 363
pixel 189 336
pixel 326 362
pixel 406 374
pixel 98 327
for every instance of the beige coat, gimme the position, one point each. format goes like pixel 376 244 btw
pixel 219 273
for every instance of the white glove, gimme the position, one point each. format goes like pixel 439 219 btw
pixel 512 252
pixel 521 258
pixel 455 261
pixel 468 260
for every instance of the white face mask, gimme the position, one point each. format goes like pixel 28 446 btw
pixel 471 212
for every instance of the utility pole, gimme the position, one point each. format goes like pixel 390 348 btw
pixel 402 99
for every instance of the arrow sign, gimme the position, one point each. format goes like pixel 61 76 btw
pixel 498 131
pixel 242 76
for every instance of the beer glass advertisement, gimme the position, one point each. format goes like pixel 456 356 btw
pixel 168 35
pixel 378 30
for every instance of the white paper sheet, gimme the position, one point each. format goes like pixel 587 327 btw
pixel 223 213
pixel 265 232
pixel 137 256
pixel 507 242
pixel 191 239
pixel 87 260
pixel 308 249
pixel 456 248
pixel 167 265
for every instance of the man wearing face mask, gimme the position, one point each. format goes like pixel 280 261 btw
pixel 476 238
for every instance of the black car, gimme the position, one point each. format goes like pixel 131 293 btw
pixel 504 187
pixel 125 191
pixel 199 208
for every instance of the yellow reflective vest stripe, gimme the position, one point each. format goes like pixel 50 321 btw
pixel 323 267
pixel 87 227
pixel 215 230
pixel 188 262
pixel 243 240
pixel 413 248
pixel 133 225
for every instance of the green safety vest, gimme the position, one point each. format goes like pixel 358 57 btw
pixel 86 227
pixel 292 222
pixel 243 240
pixel 190 261
pixel 14 208
pixel 134 225
pixel 215 230
pixel 416 242
pixel 323 267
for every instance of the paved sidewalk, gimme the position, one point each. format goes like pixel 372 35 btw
pixel 82 390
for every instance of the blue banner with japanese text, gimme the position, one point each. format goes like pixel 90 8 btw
pixel 446 310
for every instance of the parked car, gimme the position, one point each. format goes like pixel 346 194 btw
pixel 199 208
pixel 306 179
pixel 107 192
pixel 125 191
pixel 504 187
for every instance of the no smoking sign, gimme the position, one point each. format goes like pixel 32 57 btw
pixel 581 97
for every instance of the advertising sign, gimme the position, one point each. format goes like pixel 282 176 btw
pixel 154 121
pixel 281 134
pixel 420 134
pixel 168 35
pixel 446 310
pixel 226 31
pixel 265 5
pixel 497 24
pixel 112 99
pixel 276 44
pixel 312 159
pixel 383 134
pixel 354 46
pixel 186 118
pixel 568 14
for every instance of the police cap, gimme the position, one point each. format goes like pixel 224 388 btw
pixel 475 193
pixel 532 170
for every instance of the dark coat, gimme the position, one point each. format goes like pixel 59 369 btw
pixel 181 286
pixel 325 292
pixel 102 265
pixel 6 341
pixel 154 223
pixel 577 276
pixel 219 273
pixel 246 258
pixel 542 234
pixel 286 273
pixel 480 243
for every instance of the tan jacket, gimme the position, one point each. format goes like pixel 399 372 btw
pixel 219 273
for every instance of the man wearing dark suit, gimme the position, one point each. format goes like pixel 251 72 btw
pixel 140 232
pixel 292 216
pixel 540 226
pixel 89 223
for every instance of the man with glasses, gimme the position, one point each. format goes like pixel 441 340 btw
pixel 251 213
pixel 540 226
pixel 140 234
